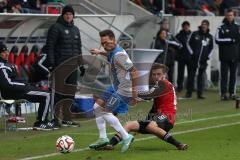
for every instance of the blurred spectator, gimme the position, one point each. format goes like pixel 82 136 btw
pixel 226 4
pixel 200 46
pixel 189 7
pixel 183 57
pixel 20 6
pixel 191 4
pixel 169 5
pixel 215 7
pixel 179 8
pixel 196 7
pixel 168 55
pixel 26 6
pixel 172 47
pixel 158 5
pixel 205 7
pixel 34 4
pixel 17 7
pixel 4 6
pixel 164 24
pixel 228 39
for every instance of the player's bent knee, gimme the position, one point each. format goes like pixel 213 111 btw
pixel 132 126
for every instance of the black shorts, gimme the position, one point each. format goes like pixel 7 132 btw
pixel 162 122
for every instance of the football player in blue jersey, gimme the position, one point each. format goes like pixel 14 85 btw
pixel 124 79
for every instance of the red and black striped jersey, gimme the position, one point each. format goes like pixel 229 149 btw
pixel 166 101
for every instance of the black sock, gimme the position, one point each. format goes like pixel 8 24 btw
pixel 169 138
pixel 115 140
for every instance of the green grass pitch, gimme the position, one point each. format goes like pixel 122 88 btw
pixel 211 128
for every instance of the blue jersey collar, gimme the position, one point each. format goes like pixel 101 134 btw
pixel 111 54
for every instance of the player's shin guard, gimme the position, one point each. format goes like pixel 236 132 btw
pixel 169 138
pixel 115 140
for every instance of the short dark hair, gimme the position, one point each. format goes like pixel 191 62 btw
pixel 205 21
pixel 108 33
pixel 17 2
pixel 231 10
pixel 185 23
pixel 159 66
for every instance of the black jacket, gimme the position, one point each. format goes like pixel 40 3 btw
pixel 200 46
pixel 9 83
pixel 39 70
pixel 167 57
pixel 63 42
pixel 183 54
pixel 228 39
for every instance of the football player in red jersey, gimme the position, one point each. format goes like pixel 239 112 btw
pixel 161 117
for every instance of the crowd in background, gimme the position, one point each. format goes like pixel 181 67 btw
pixel 175 7
pixel 27 6
pixel 194 49
pixel 190 7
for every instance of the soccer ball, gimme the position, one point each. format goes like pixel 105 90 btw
pixel 65 144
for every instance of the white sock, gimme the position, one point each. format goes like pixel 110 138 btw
pixel 101 124
pixel 114 122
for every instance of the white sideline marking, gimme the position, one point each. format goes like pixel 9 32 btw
pixel 193 130
pixel 177 123
pixel 209 118
pixel 53 154
pixel 141 139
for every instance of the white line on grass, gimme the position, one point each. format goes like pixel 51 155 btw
pixel 209 118
pixel 193 130
pixel 142 139
pixel 177 123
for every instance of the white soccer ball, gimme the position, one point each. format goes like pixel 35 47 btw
pixel 65 144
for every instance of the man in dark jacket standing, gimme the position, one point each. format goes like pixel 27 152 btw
pixel 228 38
pixel 63 43
pixel 183 56
pixel 200 46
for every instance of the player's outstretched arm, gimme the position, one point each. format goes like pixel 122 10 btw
pixel 96 51
pixel 156 91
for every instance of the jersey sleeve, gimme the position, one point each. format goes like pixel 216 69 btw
pixel 123 61
pixel 155 91
pixel 9 84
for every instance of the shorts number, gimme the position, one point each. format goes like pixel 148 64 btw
pixel 112 100
pixel 162 117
